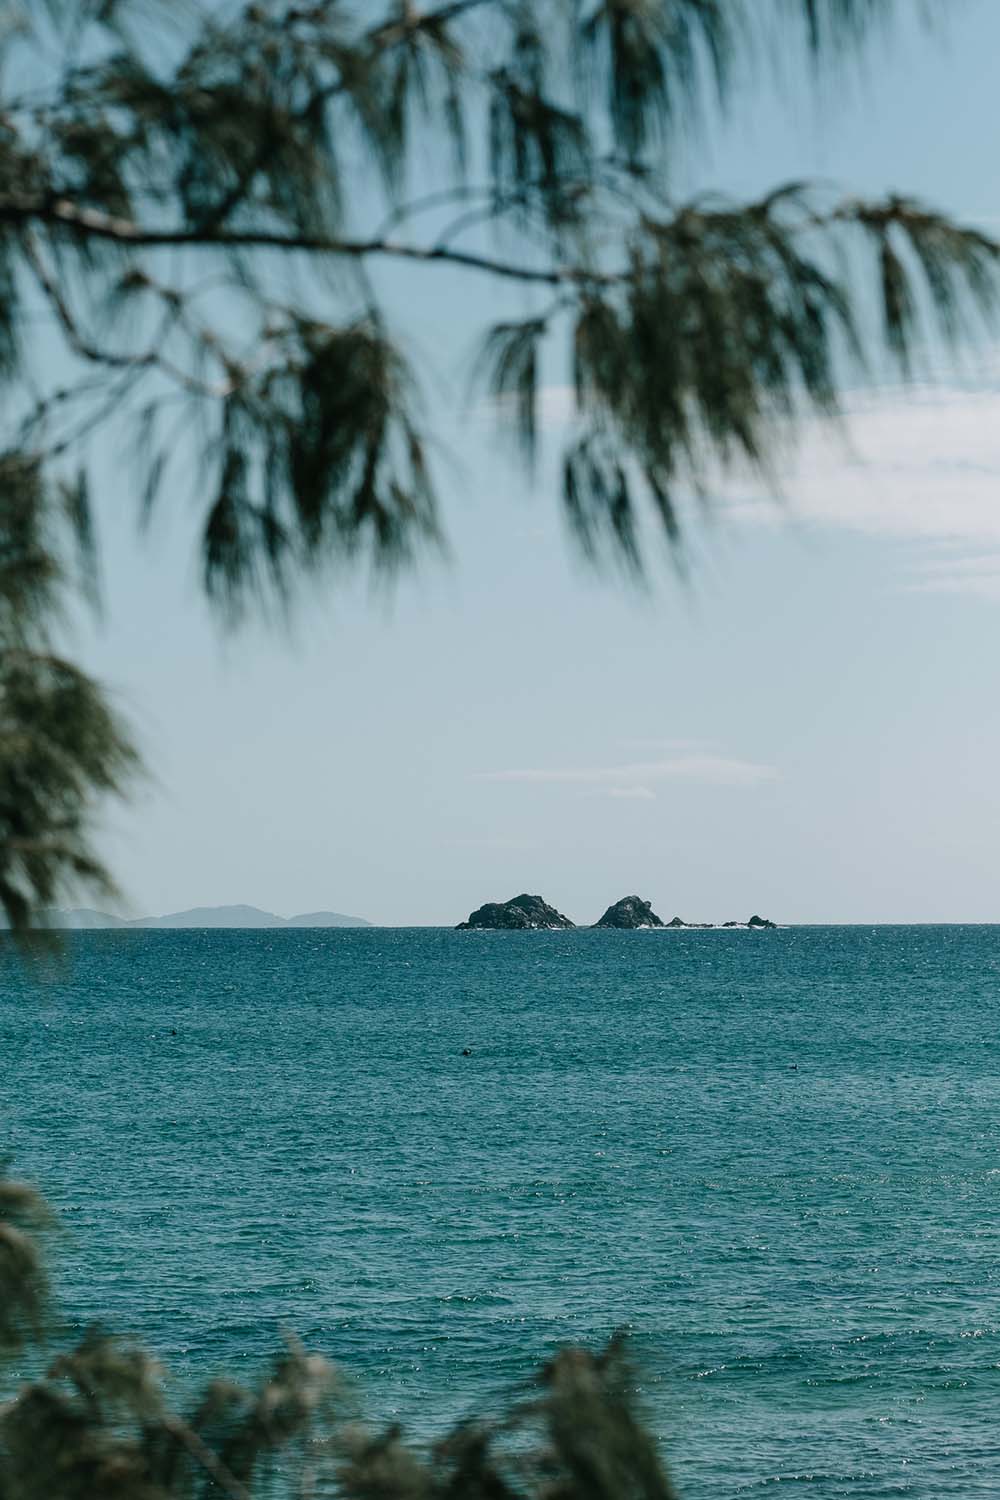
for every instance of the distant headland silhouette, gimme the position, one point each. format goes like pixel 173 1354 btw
pixel 84 919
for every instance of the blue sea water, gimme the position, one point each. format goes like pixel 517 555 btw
pixel 774 1157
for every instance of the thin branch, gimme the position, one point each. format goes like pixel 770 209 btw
pixel 93 353
pixel 207 1458
pixel 444 198
pixel 121 389
pixel 67 322
pixel 91 222
pixel 388 34
pixel 391 30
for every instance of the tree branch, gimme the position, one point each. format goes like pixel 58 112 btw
pixel 61 213
pixel 150 359
pixel 390 31
pixel 388 34
pixel 67 322
pixel 208 1459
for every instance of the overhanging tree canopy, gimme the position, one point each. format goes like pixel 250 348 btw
pixel 194 194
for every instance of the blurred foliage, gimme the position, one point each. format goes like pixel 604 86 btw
pixel 98 1425
pixel 198 200
pixel 61 742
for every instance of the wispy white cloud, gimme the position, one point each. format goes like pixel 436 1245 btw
pixel 957 575
pixel 633 793
pixel 704 766
pixel 920 464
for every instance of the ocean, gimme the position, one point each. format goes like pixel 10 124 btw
pixel 774 1158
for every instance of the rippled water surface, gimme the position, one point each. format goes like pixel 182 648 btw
pixel 776 1157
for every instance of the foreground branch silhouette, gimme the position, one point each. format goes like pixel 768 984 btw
pixel 97 1424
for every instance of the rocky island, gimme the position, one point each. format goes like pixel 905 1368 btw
pixel 630 912
pixel 521 912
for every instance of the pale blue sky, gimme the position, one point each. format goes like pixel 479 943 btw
pixel 810 730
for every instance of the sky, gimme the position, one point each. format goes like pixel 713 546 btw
pixel 808 727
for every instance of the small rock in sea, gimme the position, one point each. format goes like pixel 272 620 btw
pixel 630 911
pixel 466 1051
pixel 520 912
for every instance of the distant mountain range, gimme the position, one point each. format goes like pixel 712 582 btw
pixel 83 919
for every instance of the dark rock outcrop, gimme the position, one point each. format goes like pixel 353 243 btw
pixel 526 913
pixel 520 912
pixel 630 911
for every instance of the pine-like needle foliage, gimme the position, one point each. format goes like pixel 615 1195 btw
pixel 201 196
pixel 60 741
pixel 23 1285
pixel 98 1425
